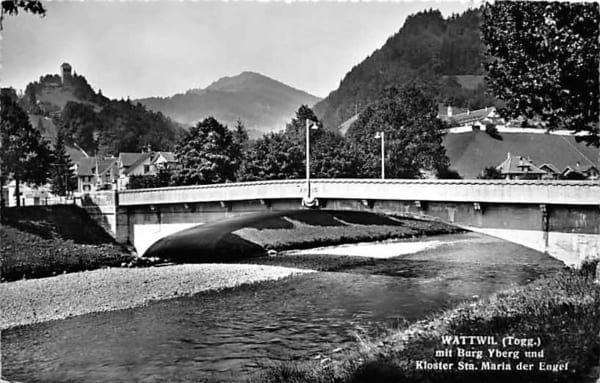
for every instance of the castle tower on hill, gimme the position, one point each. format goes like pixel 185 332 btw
pixel 66 73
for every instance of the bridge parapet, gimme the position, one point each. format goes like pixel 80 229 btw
pixel 481 191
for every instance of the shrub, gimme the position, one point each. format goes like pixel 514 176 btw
pixel 492 131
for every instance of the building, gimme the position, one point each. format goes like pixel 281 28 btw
pixel 95 174
pixel 143 164
pixel 132 164
pixel 552 172
pixel 164 161
pixel 591 172
pixel 29 195
pixel 66 74
pixel 519 168
pixel 577 172
pixel 465 117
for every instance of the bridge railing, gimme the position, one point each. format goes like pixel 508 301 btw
pixel 490 191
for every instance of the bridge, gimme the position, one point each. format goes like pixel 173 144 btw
pixel 561 218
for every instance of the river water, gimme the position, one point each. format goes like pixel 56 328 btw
pixel 229 335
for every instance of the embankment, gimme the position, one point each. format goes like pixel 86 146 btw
pixel 40 241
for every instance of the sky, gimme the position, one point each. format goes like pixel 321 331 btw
pixel 140 49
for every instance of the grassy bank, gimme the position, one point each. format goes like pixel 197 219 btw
pixel 342 230
pixel 562 310
pixel 40 241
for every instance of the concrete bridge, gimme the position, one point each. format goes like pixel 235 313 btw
pixel 561 218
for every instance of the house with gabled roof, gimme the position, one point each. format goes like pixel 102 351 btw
pixel 591 172
pixel 519 167
pixel 552 172
pixel 94 173
pixel 578 172
pixel 133 164
pixel 143 164
pixel 164 161
pixel 465 117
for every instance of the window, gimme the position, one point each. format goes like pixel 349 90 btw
pixel 146 169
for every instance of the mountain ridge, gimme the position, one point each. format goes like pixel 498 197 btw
pixel 444 56
pixel 262 103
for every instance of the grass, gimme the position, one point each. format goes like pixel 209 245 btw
pixel 42 241
pixel 306 231
pixel 563 310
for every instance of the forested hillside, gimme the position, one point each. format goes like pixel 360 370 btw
pixel 94 122
pixel 433 52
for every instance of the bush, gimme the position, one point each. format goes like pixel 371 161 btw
pixel 492 131
pixel 161 179
pixel 490 173
pixel 448 174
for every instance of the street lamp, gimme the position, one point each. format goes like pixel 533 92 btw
pixel 309 124
pixel 382 136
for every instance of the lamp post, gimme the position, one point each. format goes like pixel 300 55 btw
pixel 382 136
pixel 309 124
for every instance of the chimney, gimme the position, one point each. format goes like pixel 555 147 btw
pixel 449 111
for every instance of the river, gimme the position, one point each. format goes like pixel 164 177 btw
pixel 228 335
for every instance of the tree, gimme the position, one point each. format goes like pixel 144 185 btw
pixel 543 60
pixel 12 7
pixel 490 173
pixel 205 154
pixel 240 143
pixel 273 156
pixel 330 154
pixel 25 156
pixel 78 123
pixel 413 135
pixel 61 172
pixel 282 155
pixel 161 179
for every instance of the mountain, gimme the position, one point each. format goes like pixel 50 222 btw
pixel 68 104
pixel 261 103
pixel 445 56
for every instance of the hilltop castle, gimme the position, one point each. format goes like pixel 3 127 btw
pixel 66 74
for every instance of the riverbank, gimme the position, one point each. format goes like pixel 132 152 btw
pixel 563 310
pixel 39 300
pixel 41 241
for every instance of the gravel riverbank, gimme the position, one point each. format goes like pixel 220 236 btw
pixel 39 300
